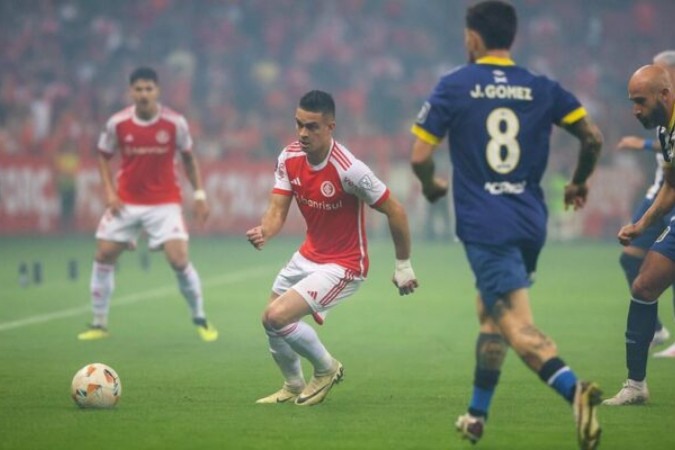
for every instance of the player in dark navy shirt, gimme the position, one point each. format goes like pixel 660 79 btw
pixel 652 94
pixel 634 253
pixel 498 119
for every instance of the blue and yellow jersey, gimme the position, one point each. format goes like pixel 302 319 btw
pixel 498 118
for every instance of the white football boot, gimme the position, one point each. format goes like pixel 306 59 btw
pixel 632 393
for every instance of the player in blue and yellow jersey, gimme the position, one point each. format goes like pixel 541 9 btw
pixel 498 118
pixel 652 94
pixel 634 253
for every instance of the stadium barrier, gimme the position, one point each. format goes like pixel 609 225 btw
pixel 31 199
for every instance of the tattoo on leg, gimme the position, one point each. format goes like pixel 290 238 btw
pixel 490 351
pixel 537 344
pixel 499 309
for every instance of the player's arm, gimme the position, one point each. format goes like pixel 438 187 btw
pixel 637 143
pixel 201 207
pixel 272 221
pixel 590 139
pixel 422 162
pixel 663 203
pixel 404 277
pixel 112 200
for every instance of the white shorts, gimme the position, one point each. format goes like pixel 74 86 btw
pixel 161 223
pixel 323 286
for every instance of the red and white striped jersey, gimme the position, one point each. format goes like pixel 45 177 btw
pixel 331 198
pixel 148 173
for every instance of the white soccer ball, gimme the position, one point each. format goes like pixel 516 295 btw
pixel 96 386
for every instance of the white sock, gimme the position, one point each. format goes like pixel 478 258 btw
pixel 191 288
pixel 638 384
pixel 287 360
pixel 101 287
pixel 303 339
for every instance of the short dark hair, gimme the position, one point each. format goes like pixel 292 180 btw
pixel 495 21
pixel 318 101
pixel 143 73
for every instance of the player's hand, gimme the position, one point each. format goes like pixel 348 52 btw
pixel 575 196
pixel 114 204
pixel 404 277
pixel 627 233
pixel 256 237
pixel 437 189
pixel 631 143
pixel 201 210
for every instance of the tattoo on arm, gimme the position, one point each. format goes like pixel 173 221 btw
pixel 590 138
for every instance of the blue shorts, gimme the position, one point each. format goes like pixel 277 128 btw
pixel 665 243
pixel 501 269
pixel 647 238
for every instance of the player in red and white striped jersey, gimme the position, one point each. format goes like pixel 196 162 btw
pixel 330 187
pixel 147 198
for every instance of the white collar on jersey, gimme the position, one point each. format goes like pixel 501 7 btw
pixel 323 163
pixel 144 123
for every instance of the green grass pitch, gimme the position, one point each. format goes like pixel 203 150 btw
pixel 408 360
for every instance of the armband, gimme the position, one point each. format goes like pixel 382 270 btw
pixel 200 194
pixel 648 145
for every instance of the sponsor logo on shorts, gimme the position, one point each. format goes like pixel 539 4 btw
pixel 664 234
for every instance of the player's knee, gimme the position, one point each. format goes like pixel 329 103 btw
pixel 272 319
pixel 642 290
pixel 106 255
pixel 178 266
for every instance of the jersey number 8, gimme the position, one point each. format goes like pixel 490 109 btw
pixel 502 126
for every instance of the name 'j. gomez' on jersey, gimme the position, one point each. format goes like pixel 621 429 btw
pixel 498 118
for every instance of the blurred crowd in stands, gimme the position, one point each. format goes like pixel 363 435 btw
pixel 236 68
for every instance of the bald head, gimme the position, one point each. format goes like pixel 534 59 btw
pixel 652 77
pixel 651 92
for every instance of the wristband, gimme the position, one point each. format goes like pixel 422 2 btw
pixel 200 194
pixel 648 145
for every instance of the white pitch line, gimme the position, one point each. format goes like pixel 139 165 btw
pixel 131 299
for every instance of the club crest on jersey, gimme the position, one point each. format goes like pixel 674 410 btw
pixel 162 137
pixel 129 138
pixel 327 189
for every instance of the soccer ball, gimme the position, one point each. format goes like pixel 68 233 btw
pixel 96 386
